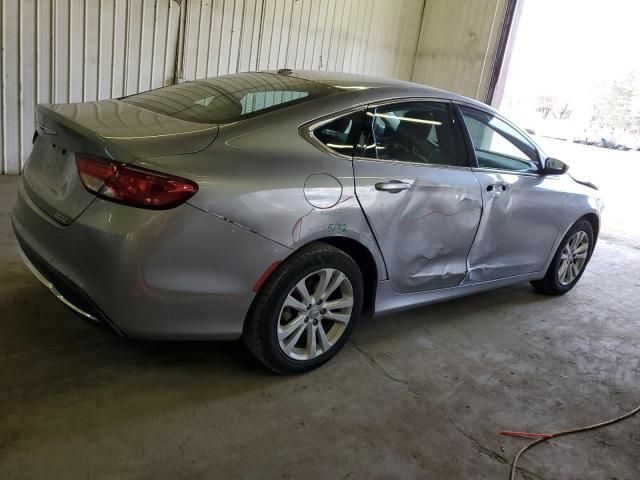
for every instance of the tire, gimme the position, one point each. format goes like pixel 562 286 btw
pixel 271 324
pixel 557 281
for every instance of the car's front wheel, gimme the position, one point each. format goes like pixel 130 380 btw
pixel 305 312
pixel 569 261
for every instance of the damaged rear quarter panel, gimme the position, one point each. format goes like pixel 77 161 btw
pixel 254 176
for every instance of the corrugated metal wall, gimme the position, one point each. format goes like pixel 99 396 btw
pixel 361 36
pixel 56 51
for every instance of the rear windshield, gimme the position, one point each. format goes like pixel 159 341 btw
pixel 229 98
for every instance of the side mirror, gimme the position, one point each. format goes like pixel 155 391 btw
pixel 553 166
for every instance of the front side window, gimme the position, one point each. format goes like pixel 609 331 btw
pixel 497 144
pixel 416 132
pixel 341 134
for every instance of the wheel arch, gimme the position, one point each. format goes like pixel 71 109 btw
pixel 366 263
pixel 361 255
pixel 594 220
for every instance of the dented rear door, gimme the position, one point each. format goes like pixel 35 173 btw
pixel 421 198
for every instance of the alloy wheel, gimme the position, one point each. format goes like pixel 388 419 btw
pixel 315 314
pixel 573 258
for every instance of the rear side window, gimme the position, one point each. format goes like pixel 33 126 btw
pixel 414 132
pixel 341 135
pixel 229 98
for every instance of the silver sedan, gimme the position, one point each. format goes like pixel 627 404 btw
pixel 281 207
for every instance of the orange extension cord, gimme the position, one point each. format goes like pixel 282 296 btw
pixel 543 437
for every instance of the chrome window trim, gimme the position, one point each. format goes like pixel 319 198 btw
pixel 507 172
pixel 306 130
pixel 454 120
pixel 408 99
pixel 415 164
pixel 491 111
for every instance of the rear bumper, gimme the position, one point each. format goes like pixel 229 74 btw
pixel 174 274
pixel 64 290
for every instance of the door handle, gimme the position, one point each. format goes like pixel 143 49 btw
pixel 393 186
pixel 498 187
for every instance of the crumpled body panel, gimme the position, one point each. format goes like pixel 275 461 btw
pixel 521 219
pixel 292 196
pixel 425 233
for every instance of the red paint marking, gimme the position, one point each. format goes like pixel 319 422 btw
pixel 263 278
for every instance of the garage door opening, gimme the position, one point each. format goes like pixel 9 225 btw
pixel 570 77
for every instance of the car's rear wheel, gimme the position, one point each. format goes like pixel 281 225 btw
pixel 569 261
pixel 305 312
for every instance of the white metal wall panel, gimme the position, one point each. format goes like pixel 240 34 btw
pixel 10 77
pixel 27 76
pixel 457 45
pixel 56 51
pixel 361 36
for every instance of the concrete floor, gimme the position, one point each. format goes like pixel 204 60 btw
pixel 417 395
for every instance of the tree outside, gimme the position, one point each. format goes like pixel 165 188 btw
pixel 565 82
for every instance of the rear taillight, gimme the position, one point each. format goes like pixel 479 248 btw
pixel 131 185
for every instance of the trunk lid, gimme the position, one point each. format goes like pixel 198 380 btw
pixel 108 128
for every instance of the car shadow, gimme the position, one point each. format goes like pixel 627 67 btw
pixel 54 361
pixel 49 350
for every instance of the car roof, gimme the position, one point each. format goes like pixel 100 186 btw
pixel 379 87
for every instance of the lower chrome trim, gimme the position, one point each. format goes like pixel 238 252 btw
pixel 53 289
